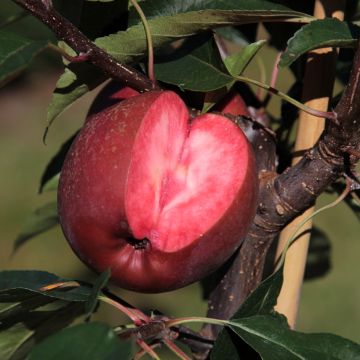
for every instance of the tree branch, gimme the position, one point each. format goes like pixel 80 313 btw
pixel 66 31
pixel 284 197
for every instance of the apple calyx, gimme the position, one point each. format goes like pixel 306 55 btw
pixel 159 200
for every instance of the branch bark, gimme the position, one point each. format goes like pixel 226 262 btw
pixel 66 31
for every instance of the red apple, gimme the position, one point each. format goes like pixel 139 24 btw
pixel 232 104
pixel 159 200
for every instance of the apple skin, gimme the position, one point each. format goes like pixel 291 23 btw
pixel 232 104
pixel 92 203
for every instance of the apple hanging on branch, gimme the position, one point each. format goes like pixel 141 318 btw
pixel 159 198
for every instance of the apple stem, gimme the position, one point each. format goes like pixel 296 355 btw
pixel 150 47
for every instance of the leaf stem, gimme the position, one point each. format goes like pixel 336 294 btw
pixel 195 319
pixel 150 47
pixel 324 114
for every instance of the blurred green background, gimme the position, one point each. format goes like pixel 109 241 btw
pixel 329 304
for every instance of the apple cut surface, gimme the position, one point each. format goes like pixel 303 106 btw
pixel 160 200
pixel 192 176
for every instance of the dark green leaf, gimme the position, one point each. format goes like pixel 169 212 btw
pixel 12 18
pixel 318 34
pixel 89 341
pixel 19 334
pixel 16 52
pixel 12 339
pixel 319 253
pixel 41 220
pixel 99 284
pixel 272 339
pixel 229 345
pixel 176 22
pixel 95 17
pixel 263 299
pixel 207 70
pixel 17 285
pixel 53 168
pixel 11 310
pixel 247 8
pixel 182 20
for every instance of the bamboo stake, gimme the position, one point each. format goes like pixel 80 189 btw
pixel 318 85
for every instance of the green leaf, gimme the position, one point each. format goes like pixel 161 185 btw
pixel 19 334
pixel 41 220
pixel 318 34
pixel 246 8
pixel 318 261
pixel 173 22
pixel 10 310
pixel 16 52
pixel 99 284
pixel 76 81
pixel 12 339
pixel 52 184
pixel 168 21
pixel 13 18
pixel 237 63
pixel 50 177
pixel 272 339
pixel 17 285
pixel 95 17
pixel 232 34
pixel 263 299
pixel 207 70
pixel 89 341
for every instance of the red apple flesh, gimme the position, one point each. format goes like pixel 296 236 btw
pixel 160 201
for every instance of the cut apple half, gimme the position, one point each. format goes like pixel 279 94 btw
pixel 182 177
